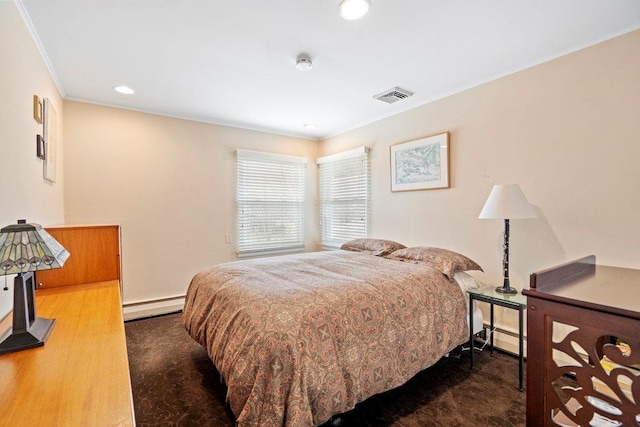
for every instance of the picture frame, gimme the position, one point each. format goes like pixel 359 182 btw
pixel 37 109
pixel 422 164
pixel 40 151
pixel 50 140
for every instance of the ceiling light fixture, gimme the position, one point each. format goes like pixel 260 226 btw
pixel 310 126
pixel 354 9
pixel 124 89
pixel 303 63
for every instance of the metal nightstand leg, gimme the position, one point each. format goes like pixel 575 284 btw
pixel 471 344
pixel 491 329
pixel 521 348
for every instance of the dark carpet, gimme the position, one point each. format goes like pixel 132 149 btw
pixel 175 384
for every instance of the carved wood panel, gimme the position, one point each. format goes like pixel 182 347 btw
pixel 585 379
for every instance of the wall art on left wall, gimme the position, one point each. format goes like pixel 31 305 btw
pixel 50 140
pixel 37 109
pixel 40 147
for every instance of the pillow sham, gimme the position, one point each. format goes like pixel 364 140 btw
pixel 465 280
pixel 377 247
pixel 447 261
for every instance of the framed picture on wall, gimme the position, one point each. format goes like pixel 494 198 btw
pixel 37 109
pixel 50 141
pixel 422 164
pixel 40 147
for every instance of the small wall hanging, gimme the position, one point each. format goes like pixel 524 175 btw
pixel 50 140
pixel 40 147
pixel 37 109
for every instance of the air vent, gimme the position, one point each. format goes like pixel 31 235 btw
pixel 393 95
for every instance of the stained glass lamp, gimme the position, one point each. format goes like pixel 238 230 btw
pixel 25 248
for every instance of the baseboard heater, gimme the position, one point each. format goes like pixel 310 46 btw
pixel 509 348
pixel 153 307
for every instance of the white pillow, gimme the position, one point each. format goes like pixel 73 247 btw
pixel 466 281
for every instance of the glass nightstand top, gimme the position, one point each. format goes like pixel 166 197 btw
pixel 489 292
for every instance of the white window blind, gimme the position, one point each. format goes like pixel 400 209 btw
pixel 344 196
pixel 270 203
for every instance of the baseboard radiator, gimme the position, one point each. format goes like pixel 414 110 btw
pixel 150 308
pixel 506 340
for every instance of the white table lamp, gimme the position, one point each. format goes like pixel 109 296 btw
pixel 506 202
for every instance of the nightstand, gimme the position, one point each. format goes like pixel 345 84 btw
pixel 518 302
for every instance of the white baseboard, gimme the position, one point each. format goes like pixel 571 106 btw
pixel 139 310
pixel 508 343
pixel 507 340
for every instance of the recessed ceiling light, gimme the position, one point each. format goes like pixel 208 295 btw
pixel 310 126
pixel 124 89
pixel 354 9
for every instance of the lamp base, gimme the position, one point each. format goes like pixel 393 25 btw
pixel 28 330
pixel 508 291
pixel 35 336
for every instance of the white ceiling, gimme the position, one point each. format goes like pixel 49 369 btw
pixel 232 62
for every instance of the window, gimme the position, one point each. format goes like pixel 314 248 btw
pixel 270 203
pixel 344 197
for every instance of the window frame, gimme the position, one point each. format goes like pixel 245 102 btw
pixel 352 195
pixel 265 191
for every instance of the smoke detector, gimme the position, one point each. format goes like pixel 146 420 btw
pixel 393 95
pixel 303 63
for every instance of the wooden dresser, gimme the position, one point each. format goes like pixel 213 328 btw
pixel 583 333
pixel 95 255
pixel 80 377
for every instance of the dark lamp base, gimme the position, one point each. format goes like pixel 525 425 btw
pixel 28 329
pixel 508 291
pixel 35 336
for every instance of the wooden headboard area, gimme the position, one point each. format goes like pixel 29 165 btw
pixel 95 255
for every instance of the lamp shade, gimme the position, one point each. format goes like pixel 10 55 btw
pixel 507 202
pixel 28 247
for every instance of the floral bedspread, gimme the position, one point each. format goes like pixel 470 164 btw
pixel 300 338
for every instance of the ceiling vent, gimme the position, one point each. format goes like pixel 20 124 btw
pixel 393 95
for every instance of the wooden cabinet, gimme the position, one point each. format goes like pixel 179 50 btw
pixel 572 310
pixel 80 377
pixel 95 255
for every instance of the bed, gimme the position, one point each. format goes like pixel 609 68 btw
pixel 300 338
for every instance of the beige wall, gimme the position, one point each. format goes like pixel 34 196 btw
pixel 567 131
pixel 170 184
pixel 26 195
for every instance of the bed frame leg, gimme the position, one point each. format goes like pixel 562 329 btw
pixel 335 421
pixel 456 353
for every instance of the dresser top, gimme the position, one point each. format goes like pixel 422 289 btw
pixel 584 283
